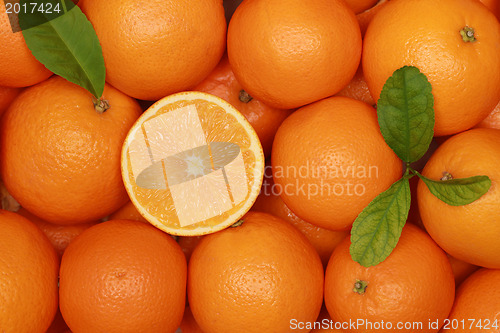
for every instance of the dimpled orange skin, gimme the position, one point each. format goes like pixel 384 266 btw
pixel 334 145
pixel 28 276
pixel 470 232
pixel 465 76
pixel 123 276
pixel 18 67
pixel 414 284
pixel 155 48
pixel 254 278
pixel 59 157
pixel 477 299
pixel 288 53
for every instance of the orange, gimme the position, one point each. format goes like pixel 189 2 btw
pixel 7 95
pixel 461 269
pixel 255 277
pixel 59 235
pixel 264 119
pixel 28 276
pixel 492 120
pixel 465 232
pixel 330 160
pixel 358 89
pixel 155 48
pixel 189 324
pixel 18 67
pixel 60 157
pixel 465 75
pixel 192 164
pixel 127 212
pixel 123 276
pixel 477 304
pixel 364 18
pixel 288 53
pixel 493 6
pixel 412 286
pixel 269 201
pixel 359 6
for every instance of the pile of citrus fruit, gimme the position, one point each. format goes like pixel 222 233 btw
pixel 249 166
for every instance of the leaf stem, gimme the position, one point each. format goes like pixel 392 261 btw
pixel 409 171
pixel 63 4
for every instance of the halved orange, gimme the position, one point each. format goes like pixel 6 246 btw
pixel 192 164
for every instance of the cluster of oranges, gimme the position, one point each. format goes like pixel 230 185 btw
pixel 97 236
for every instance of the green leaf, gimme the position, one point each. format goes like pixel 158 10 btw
pixel 405 113
pixel 458 192
pixel 66 44
pixel 377 229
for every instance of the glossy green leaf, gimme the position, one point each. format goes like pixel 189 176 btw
pixel 66 44
pixel 405 113
pixel 460 191
pixel 377 229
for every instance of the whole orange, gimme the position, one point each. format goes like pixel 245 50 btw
pixel 7 95
pixel 123 276
pixel 255 277
pixel 357 88
pixel 464 71
pixel 269 201
pixel 492 120
pixel 477 304
pixel 264 119
pixel 18 67
pixel 461 269
pixel 412 286
pixel 28 276
pixel 330 160
pixel 128 212
pixel 288 53
pixel 60 157
pixel 359 6
pixel 469 232
pixel 59 235
pixel 155 48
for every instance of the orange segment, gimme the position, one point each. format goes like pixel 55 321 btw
pixel 192 164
